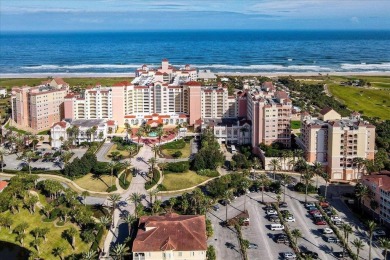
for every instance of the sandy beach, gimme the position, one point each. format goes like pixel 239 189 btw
pixel 131 74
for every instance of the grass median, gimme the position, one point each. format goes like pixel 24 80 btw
pixel 178 181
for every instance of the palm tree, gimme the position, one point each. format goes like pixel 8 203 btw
pixel 119 251
pixel 127 166
pixel 131 149
pixel 105 221
pixel 135 198
pixel 308 174
pixel 160 133
pixel 318 170
pixel 275 165
pixel 156 149
pixel 58 251
pixel 384 243
pixel 358 164
pixel 139 134
pixel 227 196
pixel 129 219
pixel 36 243
pixel 358 243
pixel 361 192
pixel 114 199
pixel 152 161
pixel 347 230
pixel 371 227
pixel 20 238
pixel 72 232
pixel 296 233
pixel 162 167
pixel 66 156
pixel 29 156
pixel 286 180
pixel 112 165
pixel 172 202
pixel 2 154
pixel 156 206
pixel 326 177
pixel 90 255
pixel 85 194
pixel 262 180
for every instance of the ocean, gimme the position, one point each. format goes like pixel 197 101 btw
pixel 220 51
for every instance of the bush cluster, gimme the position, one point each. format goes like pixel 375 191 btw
pixel 80 166
pixel 178 167
pixel 208 173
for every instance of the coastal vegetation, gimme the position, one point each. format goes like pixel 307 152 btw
pixel 44 217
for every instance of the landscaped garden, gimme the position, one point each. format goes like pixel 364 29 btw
pixel 47 219
pixel 121 149
pixel 96 183
pixel 182 180
pixel 177 149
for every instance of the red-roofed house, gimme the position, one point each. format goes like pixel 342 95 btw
pixel 171 236
pixel 3 185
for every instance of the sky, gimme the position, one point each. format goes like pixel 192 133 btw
pixel 135 15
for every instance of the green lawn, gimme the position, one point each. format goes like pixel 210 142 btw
pixel 372 102
pixel 186 151
pixel 89 182
pixel 54 237
pixel 295 124
pixel 129 177
pixel 9 83
pixel 178 181
pixel 124 153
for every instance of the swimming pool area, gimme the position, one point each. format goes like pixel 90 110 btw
pixel 152 134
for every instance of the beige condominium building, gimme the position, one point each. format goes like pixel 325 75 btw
pixel 173 236
pixel 335 141
pixel 39 107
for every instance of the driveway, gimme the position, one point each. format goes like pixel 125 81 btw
pixel 100 155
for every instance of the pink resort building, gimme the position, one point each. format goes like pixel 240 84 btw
pixel 41 106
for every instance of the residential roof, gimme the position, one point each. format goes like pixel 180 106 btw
pixel 171 232
pixel 325 110
pixel 193 83
pixel 62 124
pixel 3 185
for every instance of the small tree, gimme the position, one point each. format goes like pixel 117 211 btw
pixel 371 227
pixel 384 243
pixel 58 251
pixel 296 233
pixel 359 245
pixel 210 254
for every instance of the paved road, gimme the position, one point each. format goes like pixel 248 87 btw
pixel 100 155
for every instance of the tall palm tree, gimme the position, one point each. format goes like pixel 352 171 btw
pixel 139 134
pixel 286 180
pixel 85 194
pixel 160 133
pixel 358 164
pixel 29 156
pixel 2 154
pixel 113 165
pixel 262 181
pixel 135 198
pixel 275 166
pixel 72 232
pixel 114 199
pixel 227 195
pixel 36 243
pixel 326 177
pixel 361 192
pixel 129 219
pixel 58 251
pixel 371 227
pixel 131 150
pixel 105 221
pixel 127 165
pixel 20 238
pixel 66 156
pixel 359 245
pixel 307 175
pixel 318 170
pixel 156 149
pixel 347 230
pixel 384 243
pixel 296 233
pixel 152 161
pixel 119 251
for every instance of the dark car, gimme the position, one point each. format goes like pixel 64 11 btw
pixel 268 207
pixel 283 204
pixel 229 245
pixel 281 238
pixel 311 254
pixel 224 202
pixel 339 254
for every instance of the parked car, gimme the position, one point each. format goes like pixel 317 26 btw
pixel 379 233
pixel 283 205
pixel 274 218
pixel 229 245
pixel 268 207
pixel 290 219
pixel 328 211
pixel 224 202
pixel 335 218
pixel 252 246
pixel 309 204
pixel 332 239
pixel 324 204
pixel 314 211
pixel 216 208
pixel 308 253
pixel 282 239
pixel 289 255
pixel 271 212
pixel 319 221
pixel 339 254
pixel 327 231
pixel 338 222
pixel 311 208
pixel 276 227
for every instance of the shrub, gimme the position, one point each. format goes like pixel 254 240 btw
pixel 177 154
pixel 209 228
pixel 179 144
pixel 112 188
pixel 210 254
pixel 208 173
pixel 178 167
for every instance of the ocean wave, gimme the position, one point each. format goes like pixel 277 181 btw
pixel 265 67
pixel 83 66
pixel 364 66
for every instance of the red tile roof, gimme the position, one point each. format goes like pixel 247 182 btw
pixel 111 122
pixel 62 124
pixel 193 83
pixel 171 232
pixel 3 185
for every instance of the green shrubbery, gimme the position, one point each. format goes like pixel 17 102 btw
pixel 80 166
pixel 179 144
pixel 154 180
pixel 177 154
pixel 208 173
pixel 300 187
pixel 178 167
pixel 209 156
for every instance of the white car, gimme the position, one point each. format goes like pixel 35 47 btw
pixel 271 212
pixel 379 233
pixel 317 215
pixel 289 219
pixel 289 255
pixel 335 218
pixel 327 231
